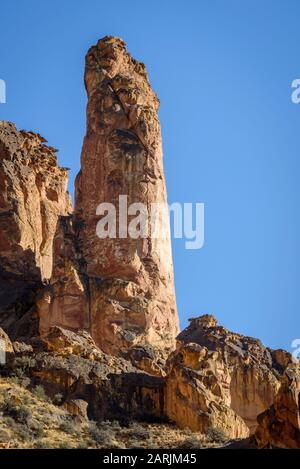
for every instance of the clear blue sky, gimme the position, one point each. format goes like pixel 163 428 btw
pixel 223 72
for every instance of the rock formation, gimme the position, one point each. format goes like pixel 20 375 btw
pixel 106 306
pixel 213 366
pixel 120 289
pixel 32 197
pixel 279 426
pixel 196 392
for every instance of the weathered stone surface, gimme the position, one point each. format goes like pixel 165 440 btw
pixel 32 196
pixel 112 387
pixel 65 342
pixel 77 407
pixel 279 426
pixel 213 363
pixel 5 343
pixel 121 290
pixel 65 302
pixel 196 393
pixel 148 359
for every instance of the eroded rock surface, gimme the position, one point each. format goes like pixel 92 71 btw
pixel 33 194
pixel 196 392
pixel 213 365
pixel 279 426
pixel 111 387
pixel 121 290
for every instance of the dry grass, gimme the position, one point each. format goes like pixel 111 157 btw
pixel 29 420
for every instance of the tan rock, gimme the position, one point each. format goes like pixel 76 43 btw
pixel 112 387
pixel 279 426
pixel 197 392
pixel 148 359
pixel 65 342
pixel 5 341
pixel 215 366
pixel 77 407
pixel 33 194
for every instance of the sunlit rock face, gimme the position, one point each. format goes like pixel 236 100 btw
pixel 121 289
pixel 219 378
pixel 33 194
pixel 279 425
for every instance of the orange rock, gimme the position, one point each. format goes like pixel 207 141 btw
pixel 4 339
pixel 121 290
pixel 33 194
pixel 279 426
pixel 215 367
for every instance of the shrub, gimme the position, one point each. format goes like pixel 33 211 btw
pixel 65 445
pixel 83 444
pixel 20 378
pixel 4 436
pixel 100 436
pixel 138 432
pixel 19 413
pixel 39 432
pixel 68 427
pixel 39 392
pixel 24 433
pixel 24 363
pixel 114 424
pixel 217 435
pixel 43 444
pixel 192 442
pixel 57 399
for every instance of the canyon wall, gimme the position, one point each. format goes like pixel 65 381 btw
pixel 33 194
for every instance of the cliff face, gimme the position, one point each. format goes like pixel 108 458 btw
pixel 32 197
pixel 121 289
pixel 279 425
pixel 220 367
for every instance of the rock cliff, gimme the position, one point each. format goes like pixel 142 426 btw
pixel 235 370
pixel 120 289
pixel 279 426
pixel 33 194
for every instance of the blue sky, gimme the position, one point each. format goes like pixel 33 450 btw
pixel 223 72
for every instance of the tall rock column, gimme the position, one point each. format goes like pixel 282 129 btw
pixel 122 155
pixel 121 289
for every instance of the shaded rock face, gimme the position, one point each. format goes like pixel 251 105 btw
pixel 279 426
pixel 121 290
pixel 196 392
pixel 32 196
pixel 92 382
pixel 213 365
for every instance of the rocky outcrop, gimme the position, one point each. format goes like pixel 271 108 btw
pixel 6 345
pixel 33 194
pixel 91 382
pixel 120 289
pixel 214 366
pixel 279 426
pixel 196 393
